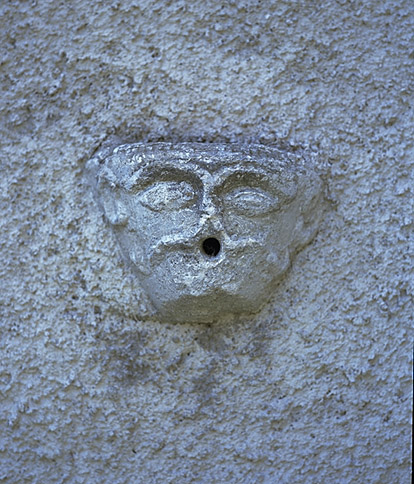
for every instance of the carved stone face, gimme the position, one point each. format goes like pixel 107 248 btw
pixel 209 229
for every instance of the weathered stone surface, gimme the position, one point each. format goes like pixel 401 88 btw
pixel 315 388
pixel 209 229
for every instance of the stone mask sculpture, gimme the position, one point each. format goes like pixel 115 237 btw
pixel 209 229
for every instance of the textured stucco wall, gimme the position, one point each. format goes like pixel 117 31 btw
pixel 316 388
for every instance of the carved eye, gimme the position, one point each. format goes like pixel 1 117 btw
pixel 168 196
pixel 251 202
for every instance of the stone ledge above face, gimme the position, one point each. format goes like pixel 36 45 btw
pixel 118 164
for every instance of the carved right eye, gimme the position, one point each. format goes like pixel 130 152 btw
pixel 251 202
pixel 168 196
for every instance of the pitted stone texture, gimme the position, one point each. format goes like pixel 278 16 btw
pixel 209 229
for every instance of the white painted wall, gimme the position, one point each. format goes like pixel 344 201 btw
pixel 315 389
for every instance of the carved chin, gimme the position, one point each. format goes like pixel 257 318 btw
pixel 192 289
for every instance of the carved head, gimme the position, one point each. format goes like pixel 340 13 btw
pixel 209 229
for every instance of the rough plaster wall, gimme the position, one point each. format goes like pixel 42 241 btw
pixel 314 389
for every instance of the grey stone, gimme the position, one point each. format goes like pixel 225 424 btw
pixel 209 229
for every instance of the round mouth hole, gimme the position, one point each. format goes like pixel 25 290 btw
pixel 211 247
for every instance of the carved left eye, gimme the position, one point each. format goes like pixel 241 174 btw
pixel 250 202
pixel 168 196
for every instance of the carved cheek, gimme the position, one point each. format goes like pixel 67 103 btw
pixel 283 225
pixel 150 227
pixel 240 226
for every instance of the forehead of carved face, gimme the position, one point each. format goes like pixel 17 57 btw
pixel 197 220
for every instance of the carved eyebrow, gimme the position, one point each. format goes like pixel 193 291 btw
pixel 284 186
pixel 160 172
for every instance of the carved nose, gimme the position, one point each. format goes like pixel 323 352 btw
pixel 210 219
pixel 211 229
